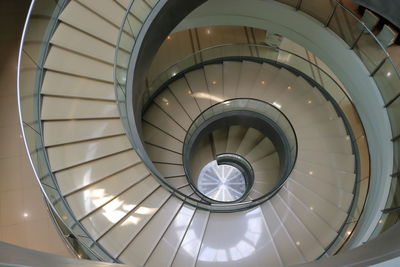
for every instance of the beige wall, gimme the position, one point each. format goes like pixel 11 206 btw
pixel 24 219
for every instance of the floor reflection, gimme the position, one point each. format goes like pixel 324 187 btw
pixel 221 244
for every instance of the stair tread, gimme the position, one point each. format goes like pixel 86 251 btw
pixel 165 250
pixel 120 236
pixel 93 171
pixel 79 130
pixel 103 221
pixel 59 84
pixel 69 155
pixel 95 196
pixel 65 61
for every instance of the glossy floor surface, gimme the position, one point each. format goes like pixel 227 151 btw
pixel 24 220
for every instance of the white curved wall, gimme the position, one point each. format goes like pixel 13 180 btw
pixel 333 51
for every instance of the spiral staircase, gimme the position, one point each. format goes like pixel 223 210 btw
pixel 120 209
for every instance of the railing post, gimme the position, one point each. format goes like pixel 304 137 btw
pixel 390 210
pixel 395 139
pixel 378 67
pixel 298 4
pixel 356 41
pixel 332 14
pixel 392 100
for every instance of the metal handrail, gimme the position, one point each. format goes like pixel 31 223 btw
pixel 81 248
pixel 234 105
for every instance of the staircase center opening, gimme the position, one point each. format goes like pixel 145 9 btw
pixel 221 182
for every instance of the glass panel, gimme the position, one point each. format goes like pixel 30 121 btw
pixel 134 25
pixel 126 41
pixel 209 54
pixel 28 77
pixel 352 116
pixel 364 157
pixel 267 53
pixel 318 10
pixel 396 162
pixel 346 25
pixel 140 10
pixel 369 51
pixel 394 115
pixel 43 19
pixel 331 87
pixel 67 218
pixel 388 81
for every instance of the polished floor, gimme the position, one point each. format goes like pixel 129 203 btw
pixel 24 220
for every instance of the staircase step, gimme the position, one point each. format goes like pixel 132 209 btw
pixel 165 251
pixel 95 196
pixel 120 236
pixel 220 138
pixel 249 73
pixel 60 108
pixel 104 221
pixel 317 226
pixel 343 180
pixel 158 154
pixel 279 85
pixel 169 170
pixel 269 162
pixel 109 10
pixel 329 192
pixel 198 85
pixel 190 245
pixel 61 60
pixel 231 75
pixel 235 136
pixel 159 118
pixel 79 130
pixel 331 214
pixel 184 95
pixel 172 107
pixel 289 252
pixel 265 77
pixel 86 20
pixel 249 141
pixel 232 237
pixel 341 162
pixel 215 82
pixel 332 128
pixel 302 237
pixel 59 84
pixel 75 178
pixel 155 136
pixel 142 246
pixel 264 148
pixel 72 39
pixel 340 145
pixel 69 155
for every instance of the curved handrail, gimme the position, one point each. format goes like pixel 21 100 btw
pixel 29 79
pixel 267 113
